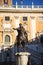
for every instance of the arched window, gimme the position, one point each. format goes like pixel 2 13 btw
pixel 7 38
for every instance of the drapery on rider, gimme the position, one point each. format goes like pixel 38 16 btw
pixel 22 34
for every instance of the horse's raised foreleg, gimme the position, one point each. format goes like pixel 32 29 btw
pixel 17 46
pixel 23 46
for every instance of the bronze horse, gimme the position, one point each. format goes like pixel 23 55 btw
pixel 21 38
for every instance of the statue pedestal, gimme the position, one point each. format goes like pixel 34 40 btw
pixel 22 58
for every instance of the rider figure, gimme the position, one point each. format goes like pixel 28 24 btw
pixel 20 30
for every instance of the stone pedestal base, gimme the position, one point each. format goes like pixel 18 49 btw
pixel 22 58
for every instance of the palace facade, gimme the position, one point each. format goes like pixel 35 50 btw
pixel 31 18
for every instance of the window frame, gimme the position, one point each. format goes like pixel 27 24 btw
pixel 7 18
pixel 7 38
pixel 25 19
pixel 40 18
pixel 6 2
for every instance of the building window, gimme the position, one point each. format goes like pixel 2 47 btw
pixel 40 18
pixel 7 39
pixel 7 18
pixel 24 18
pixel 5 1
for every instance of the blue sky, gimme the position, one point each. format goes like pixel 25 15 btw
pixel 29 2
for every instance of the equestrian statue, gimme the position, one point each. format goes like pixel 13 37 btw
pixel 21 38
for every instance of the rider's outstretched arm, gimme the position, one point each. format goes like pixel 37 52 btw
pixel 14 28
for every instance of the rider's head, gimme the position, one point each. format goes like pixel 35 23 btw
pixel 20 25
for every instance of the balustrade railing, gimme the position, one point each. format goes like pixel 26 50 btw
pixel 22 6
